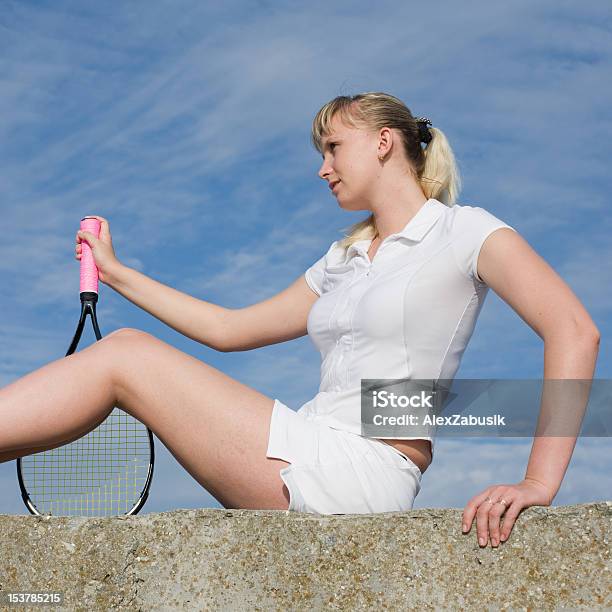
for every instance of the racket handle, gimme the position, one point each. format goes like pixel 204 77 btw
pixel 89 271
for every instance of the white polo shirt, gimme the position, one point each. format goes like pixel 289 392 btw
pixel 409 313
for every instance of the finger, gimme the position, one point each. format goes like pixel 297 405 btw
pixel 482 523
pixel 494 516
pixel 483 516
pixel 104 227
pixel 471 508
pixel 512 512
pixel 88 237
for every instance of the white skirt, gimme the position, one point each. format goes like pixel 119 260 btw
pixel 334 471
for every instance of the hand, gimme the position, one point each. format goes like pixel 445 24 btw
pixel 488 509
pixel 101 248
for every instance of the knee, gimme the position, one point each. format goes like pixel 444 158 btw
pixel 128 333
pixel 123 347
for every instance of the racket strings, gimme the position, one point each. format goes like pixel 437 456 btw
pixel 101 474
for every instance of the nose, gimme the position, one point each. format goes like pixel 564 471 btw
pixel 325 169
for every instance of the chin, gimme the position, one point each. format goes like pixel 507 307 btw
pixel 350 205
pixel 342 203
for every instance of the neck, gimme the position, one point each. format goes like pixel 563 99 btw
pixel 396 208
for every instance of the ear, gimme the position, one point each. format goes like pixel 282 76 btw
pixel 385 141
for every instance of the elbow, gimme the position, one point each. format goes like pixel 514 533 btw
pixel 227 346
pixel 223 339
pixel 218 343
pixel 222 348
pixel 591 332
pixel 590 335
pixel 576 331
pixel 585 328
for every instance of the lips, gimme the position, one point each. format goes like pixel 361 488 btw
pixel 333 184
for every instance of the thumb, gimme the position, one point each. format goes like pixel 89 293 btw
pixel 90 238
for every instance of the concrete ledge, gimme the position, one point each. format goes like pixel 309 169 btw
pixel 273 560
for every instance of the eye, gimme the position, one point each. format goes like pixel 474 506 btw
pixel 329 146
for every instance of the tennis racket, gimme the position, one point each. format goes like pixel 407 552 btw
pixel 107 472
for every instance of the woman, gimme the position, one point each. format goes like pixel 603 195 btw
pixel 363 303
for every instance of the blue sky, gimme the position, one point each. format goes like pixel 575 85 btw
pixel 187 125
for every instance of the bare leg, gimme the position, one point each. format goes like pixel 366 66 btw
pixel 56 404
pixel 215 426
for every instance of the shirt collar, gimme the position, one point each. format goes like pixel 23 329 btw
pixel 414 230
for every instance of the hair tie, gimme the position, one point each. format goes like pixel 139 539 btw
pixel 424 133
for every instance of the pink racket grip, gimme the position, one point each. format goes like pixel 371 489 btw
pixel 89 271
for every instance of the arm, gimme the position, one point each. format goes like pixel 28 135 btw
pixel 199 320
pixel 282 317
pixel 571 340
pixel 569 356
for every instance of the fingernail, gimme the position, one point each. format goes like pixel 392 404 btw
pixel 481 541
pixel 464 528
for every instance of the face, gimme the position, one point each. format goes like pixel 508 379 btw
pixel 350 156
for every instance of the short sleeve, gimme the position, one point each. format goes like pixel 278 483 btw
pixel 316 273
pixel 472 226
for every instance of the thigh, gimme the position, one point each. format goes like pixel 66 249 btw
pixel 215 426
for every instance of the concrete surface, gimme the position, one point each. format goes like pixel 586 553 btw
pixel 273 560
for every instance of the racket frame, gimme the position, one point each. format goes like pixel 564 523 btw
pixel 89 300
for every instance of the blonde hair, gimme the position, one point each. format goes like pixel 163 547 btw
pixel 433 166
